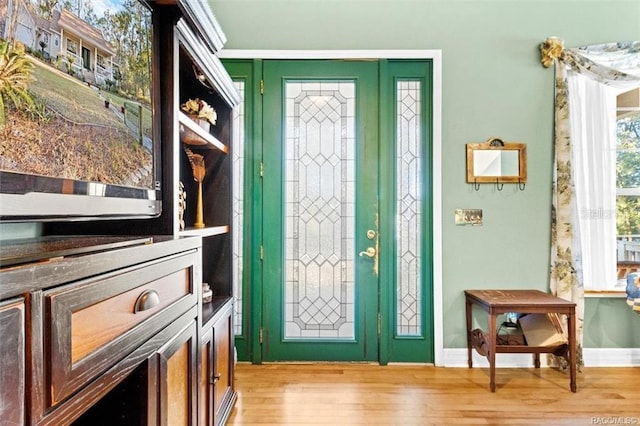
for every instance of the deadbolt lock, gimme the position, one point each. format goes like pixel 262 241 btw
pixel 371 234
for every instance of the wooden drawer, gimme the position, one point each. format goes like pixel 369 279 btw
pixel 93 324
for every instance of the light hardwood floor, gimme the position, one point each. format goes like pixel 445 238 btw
pixel 365 394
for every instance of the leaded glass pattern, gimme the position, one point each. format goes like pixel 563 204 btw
pixel 408 208
pixel 237 150
pixel 319 209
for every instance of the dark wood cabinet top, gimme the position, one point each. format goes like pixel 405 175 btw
pixel 14 252
pixel 68 259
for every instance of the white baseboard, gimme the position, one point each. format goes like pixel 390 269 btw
pixel 457 357
pixel 611 357
pixel 593 357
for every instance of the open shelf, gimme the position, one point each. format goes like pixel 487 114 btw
pixel 210 309
pixel 202 138
pixel 205 232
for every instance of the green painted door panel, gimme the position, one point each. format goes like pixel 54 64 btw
pixel 320 198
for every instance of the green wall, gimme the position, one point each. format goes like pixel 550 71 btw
pixel 493 85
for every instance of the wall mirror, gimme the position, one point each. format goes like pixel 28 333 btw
pixel 496 161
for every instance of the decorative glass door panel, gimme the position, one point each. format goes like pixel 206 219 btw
pixel 319 199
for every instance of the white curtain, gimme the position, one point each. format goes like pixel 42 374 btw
pixel 592 118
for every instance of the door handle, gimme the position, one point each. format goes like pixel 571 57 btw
pixel 372 252
pixel 369 252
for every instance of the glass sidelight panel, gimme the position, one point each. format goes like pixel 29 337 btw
pixel 408 208
pixel 319 209
pixel 237 149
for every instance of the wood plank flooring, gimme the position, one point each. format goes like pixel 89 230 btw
pixel 366 394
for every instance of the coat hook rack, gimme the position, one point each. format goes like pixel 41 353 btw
pixel 497 161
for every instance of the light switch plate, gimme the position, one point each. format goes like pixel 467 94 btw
pixel 468 217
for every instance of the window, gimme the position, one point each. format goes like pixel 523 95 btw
pixel 628 180
pixel 605 130
pixel 72 46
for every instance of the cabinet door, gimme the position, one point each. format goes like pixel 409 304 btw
pixel 216 374
pixel 12 362
pixel 176 380
pixel 222 369
pixel 205 411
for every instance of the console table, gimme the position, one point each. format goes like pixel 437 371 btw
pixel 497 302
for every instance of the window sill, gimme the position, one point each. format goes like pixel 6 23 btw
pixel 588 294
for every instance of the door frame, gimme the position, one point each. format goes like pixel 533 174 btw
pixel 435 55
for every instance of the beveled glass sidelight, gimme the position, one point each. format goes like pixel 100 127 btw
pixel 409 220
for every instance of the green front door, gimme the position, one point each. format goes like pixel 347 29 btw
pixel 340 210
pixel 320 200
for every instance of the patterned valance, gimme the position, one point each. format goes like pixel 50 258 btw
pixel 608 63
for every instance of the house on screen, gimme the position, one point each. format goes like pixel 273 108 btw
pixel 64 39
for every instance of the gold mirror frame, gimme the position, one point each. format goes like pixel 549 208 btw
pixel 496 161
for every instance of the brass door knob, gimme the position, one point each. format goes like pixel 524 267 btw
pixel 369 252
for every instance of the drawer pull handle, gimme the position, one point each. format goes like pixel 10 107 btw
pixel 147 300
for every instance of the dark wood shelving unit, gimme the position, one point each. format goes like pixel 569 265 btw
pixel 80 268
pixel 201 75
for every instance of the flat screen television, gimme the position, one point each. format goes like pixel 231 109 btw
pixel 81 142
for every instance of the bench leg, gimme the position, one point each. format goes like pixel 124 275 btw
pixel 571 323
pixel 469 346
pixel 492 351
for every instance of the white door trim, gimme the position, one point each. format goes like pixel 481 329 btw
pixel 436 57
